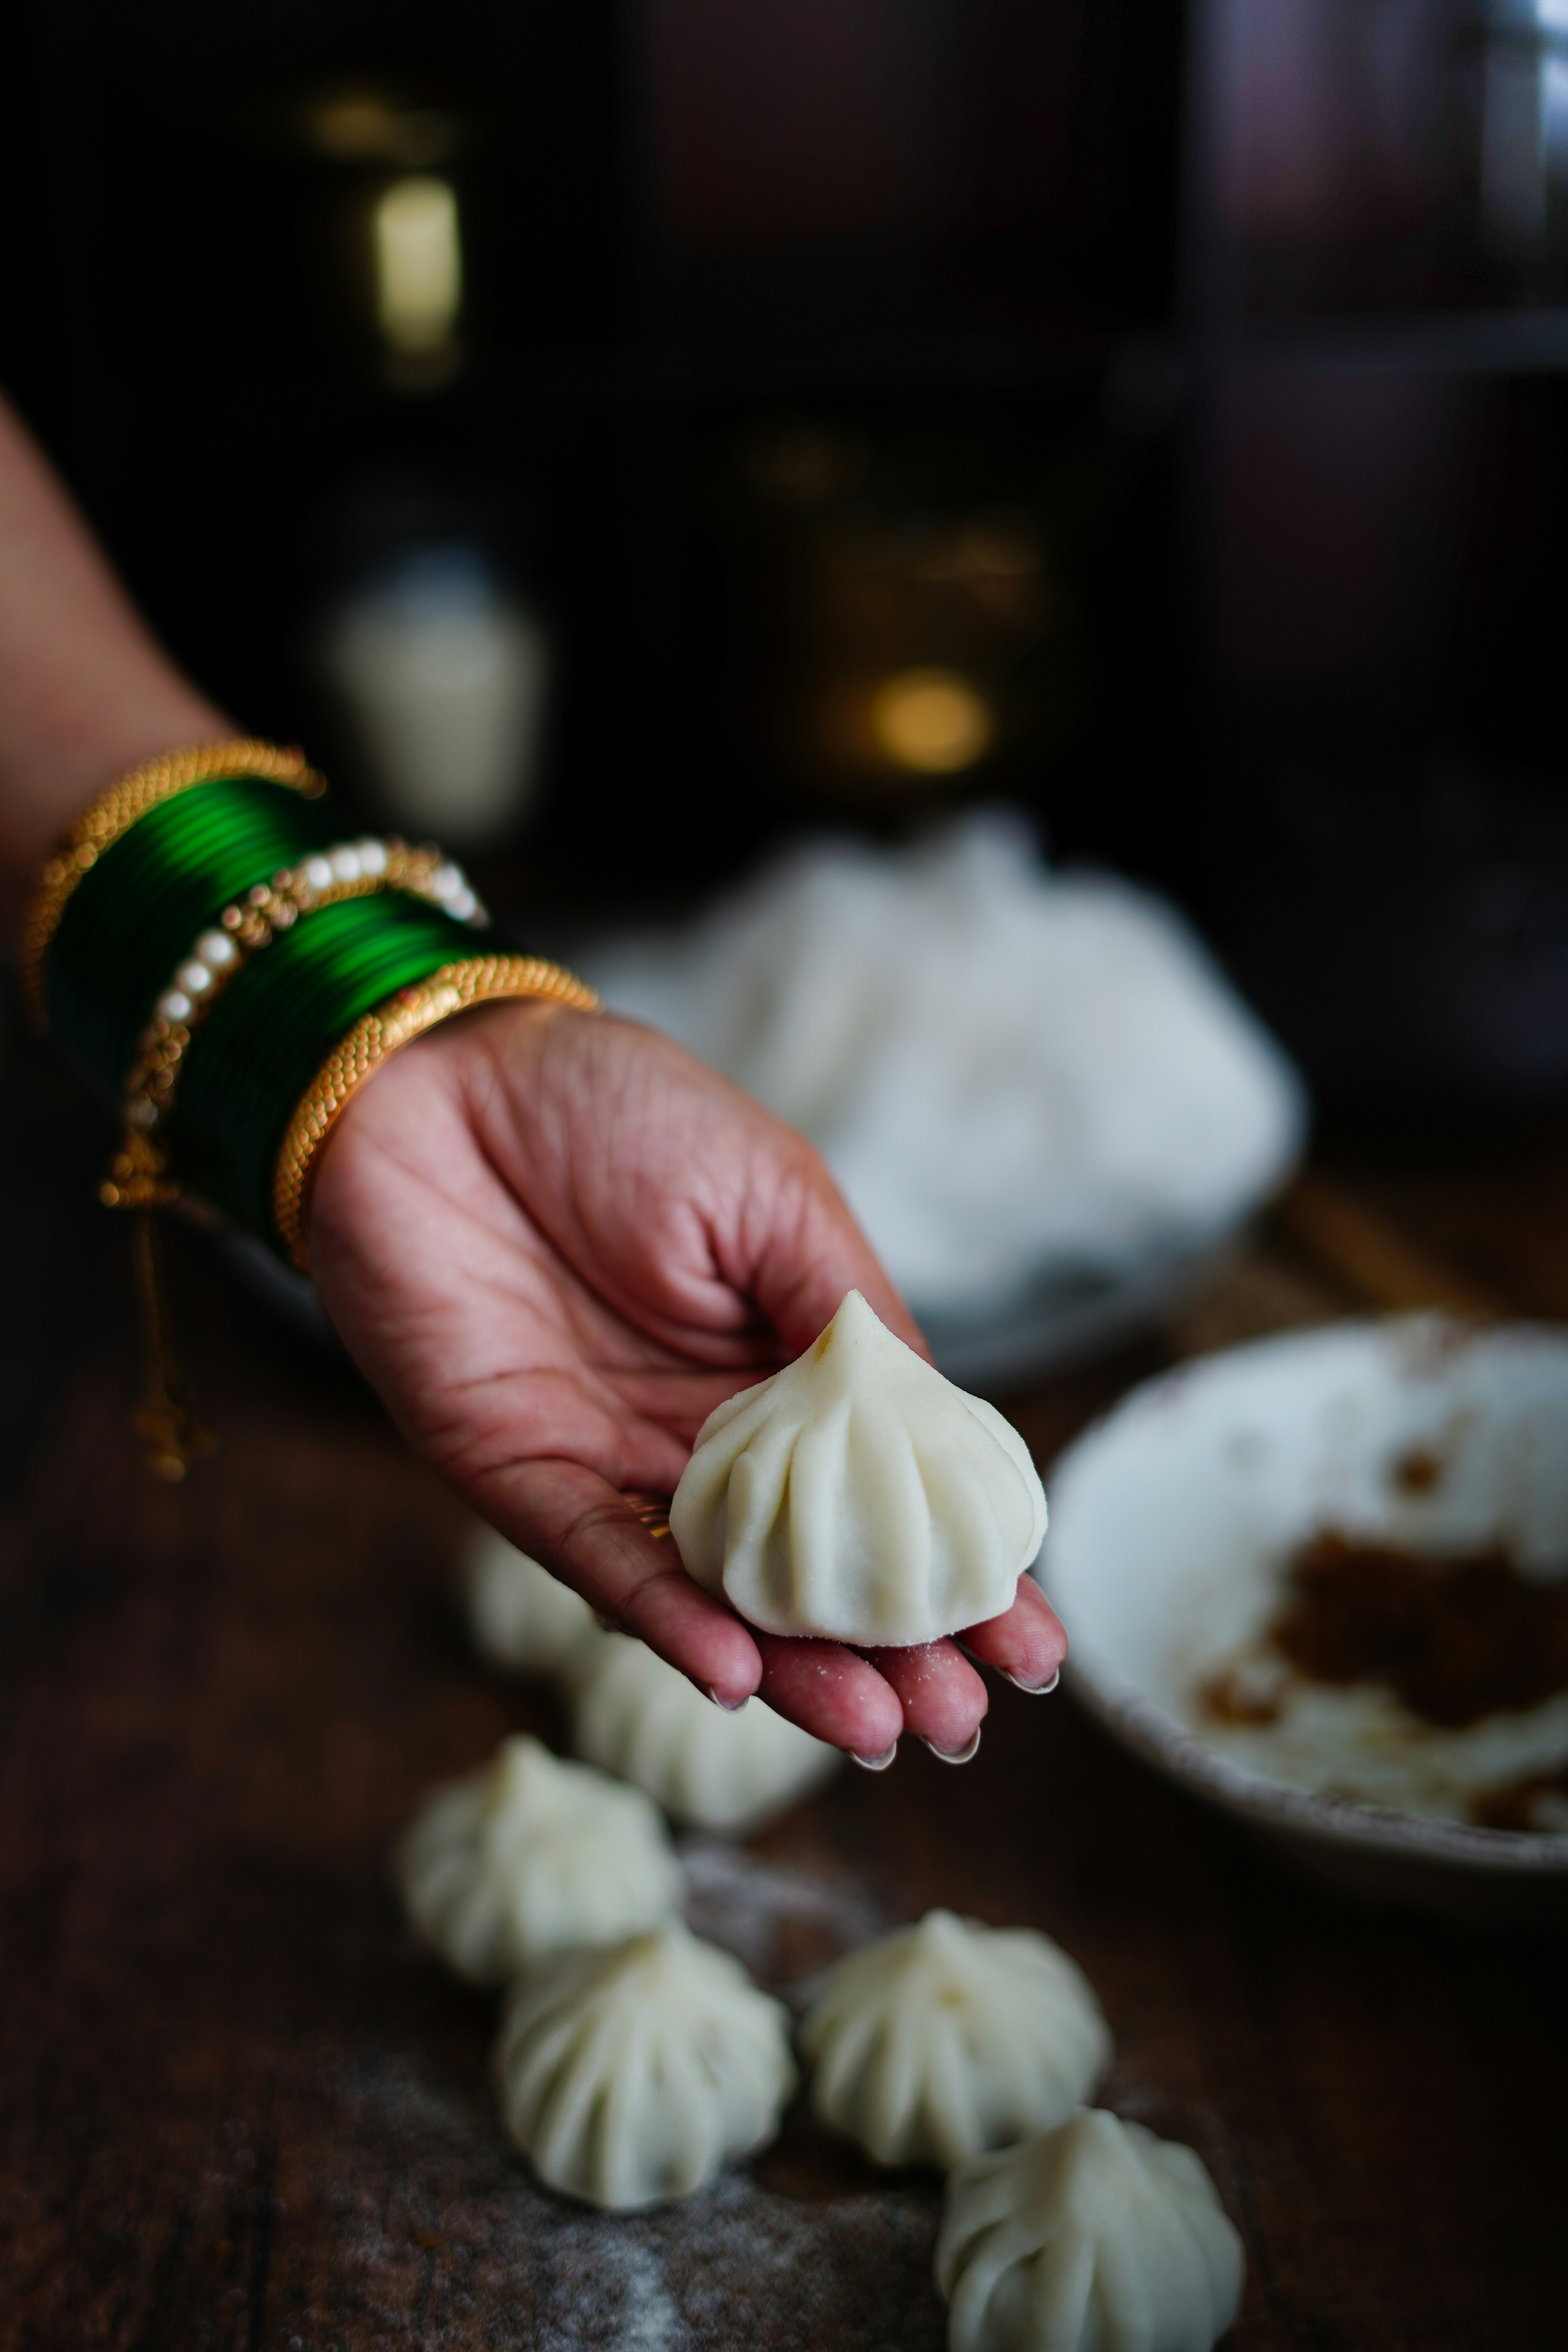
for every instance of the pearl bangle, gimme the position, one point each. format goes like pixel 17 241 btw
pixel 138 1178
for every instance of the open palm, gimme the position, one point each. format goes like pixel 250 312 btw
pixel 554 1243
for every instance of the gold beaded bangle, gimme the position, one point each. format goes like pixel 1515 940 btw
pixel 374 1039
pixel 139 1176
pixel 115 811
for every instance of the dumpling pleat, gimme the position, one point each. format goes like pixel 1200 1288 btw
pixel 954 2100
pixel 997 1426
pixel 815 1561
pixel 983 2263
pixel 1063 2290
pixel 895 1536
pixel 845 2053
pixel 965 1535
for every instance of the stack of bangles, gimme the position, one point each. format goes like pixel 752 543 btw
pixel 221 955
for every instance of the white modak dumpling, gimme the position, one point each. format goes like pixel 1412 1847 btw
pixel 521 1615
pixel 1097 2238
pixel 633 1715
pixel 631 2075
pixel 531 1854
pixel 949 2038
pixel 858 1496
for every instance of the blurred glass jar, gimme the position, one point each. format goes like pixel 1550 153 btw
pixel 440 675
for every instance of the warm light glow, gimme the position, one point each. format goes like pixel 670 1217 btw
pixel 934 720
pixel 366 126
pixel 418 265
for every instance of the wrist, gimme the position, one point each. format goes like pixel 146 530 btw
pixel 62 767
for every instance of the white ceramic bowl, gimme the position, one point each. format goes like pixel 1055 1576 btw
pixel 1171 1520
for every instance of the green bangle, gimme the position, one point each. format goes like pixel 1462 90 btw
pixel 135 915
pixel 126 801
pixel 270 1032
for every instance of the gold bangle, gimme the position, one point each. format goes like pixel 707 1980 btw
pixel 139 1175
pixel 374 1039
pixel 115 811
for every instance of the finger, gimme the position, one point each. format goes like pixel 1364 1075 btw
pixel 803 1307
pixel 942 1698
pixel 832 1693
pixel 589 1536
pixel 1026 1643
pixel 814 1252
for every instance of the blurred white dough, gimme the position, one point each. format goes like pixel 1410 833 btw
pixel 635 1715
pixel 949 2038
pixel 531 1854
pixel 631 2075
pixel 521 1615
pixel 1096 2238
pixel 1008 1072
pixel 858 1496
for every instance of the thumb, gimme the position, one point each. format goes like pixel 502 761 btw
pixel 813 1253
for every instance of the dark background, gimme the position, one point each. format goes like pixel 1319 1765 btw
pixel 1290 423
pixel 169 333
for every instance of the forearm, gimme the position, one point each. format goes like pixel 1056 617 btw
pixel 85 691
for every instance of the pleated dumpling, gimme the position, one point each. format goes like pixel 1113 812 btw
pixel 635 1715
pixel 521 1614
pixel 949 2038
pixel 630 2076
pixel 858 1496
pixel 531 1854
pixel 1096 2238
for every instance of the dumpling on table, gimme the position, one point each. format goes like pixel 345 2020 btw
pixel 949 2038
pixel 633 1715
pixel 521 1615
pixel 1098 2237
pixel 530 1855
pixel 631 2077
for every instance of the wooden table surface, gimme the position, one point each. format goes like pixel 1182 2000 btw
pixel 239 2107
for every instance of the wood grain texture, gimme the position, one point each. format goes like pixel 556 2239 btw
pixel 239 2108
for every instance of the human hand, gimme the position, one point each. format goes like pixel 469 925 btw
pixel 554 1242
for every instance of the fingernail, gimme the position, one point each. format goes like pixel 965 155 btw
pixel 878 1763
pixel 956 1755
pixel 729 1705
pixel 1036 1690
